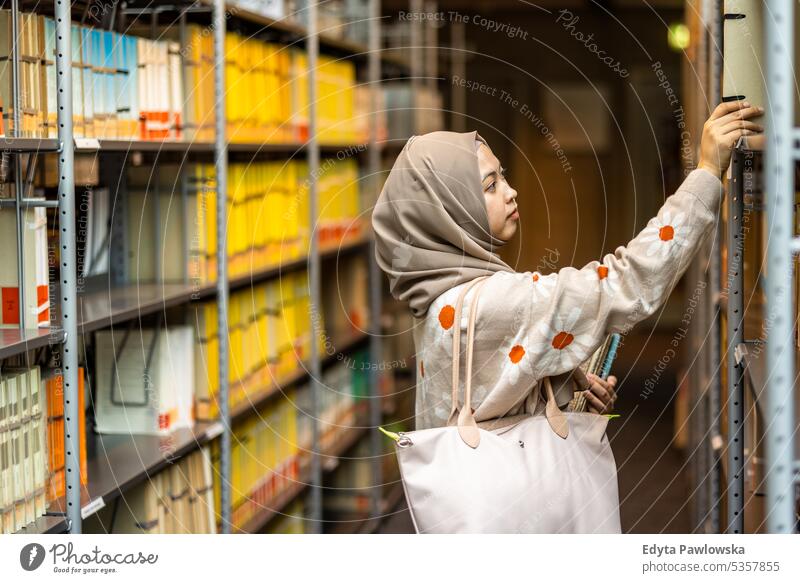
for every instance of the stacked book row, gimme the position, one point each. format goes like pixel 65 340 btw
pixel 133 88
pixel 32 472
pixel 171 217
pixel 178 500
pixel 269 336
pixel 23 458
pixel 271 448
pixel 35 311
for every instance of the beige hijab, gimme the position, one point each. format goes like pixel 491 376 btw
pixel 430 221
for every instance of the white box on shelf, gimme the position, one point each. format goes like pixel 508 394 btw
pixel 145 380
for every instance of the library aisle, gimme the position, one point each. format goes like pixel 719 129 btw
pixel 196 336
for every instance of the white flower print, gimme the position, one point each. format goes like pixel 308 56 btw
pixel 609 278
pixel 516 360
pixel 441 322
pixel 564 344
pixel 442 410
pixel 654 294
pixel 543 285
pixel 665 234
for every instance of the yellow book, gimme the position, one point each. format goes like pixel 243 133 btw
pixel 274 331
pixel 206 360
pixel 262 338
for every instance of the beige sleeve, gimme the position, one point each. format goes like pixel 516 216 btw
pixel 574 309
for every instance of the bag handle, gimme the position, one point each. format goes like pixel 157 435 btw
pixel 451 420
pixel 467 426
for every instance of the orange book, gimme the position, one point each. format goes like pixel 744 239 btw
pixel 55 434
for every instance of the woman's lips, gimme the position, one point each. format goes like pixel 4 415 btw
pixel 514 216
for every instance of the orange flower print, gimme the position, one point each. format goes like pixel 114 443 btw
pixel 543 285
pixel 516 360
pixel 607 276
pixel 440 321
pixel 446 316
pixel 564 342
pixel 665 234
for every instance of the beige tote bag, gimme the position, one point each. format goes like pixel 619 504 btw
pixel 552 473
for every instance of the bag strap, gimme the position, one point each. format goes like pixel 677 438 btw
pixel 555 416
pixel 451 420
pixel 467 426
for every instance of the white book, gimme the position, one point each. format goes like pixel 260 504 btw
pixel 194 235
pixel 176 100
pixel 24 392
pixel 39 440
pixel 15 436
pixel 97 233
pixel 145 383
pixel 36 312
pixel 88 80
pixel 6 496
pixel 169 252
pixel 162 81
pixel 50 76
pixel 141 73
pixel 743 74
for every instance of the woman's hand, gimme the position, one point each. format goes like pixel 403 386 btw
pixel 601 394
pixel 727 123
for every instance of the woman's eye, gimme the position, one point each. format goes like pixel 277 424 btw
pixel 490 188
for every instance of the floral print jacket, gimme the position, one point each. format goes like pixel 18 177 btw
pixel 531 325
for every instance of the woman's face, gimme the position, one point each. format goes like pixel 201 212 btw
pixel 500 197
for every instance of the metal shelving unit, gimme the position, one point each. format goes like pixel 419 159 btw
pixel 735 368
pixel 102 145
pixel 28 145
pixel 780 159
pixel 773 392
pixel 119 463
pixel 218 22
pixel 711 514
pixel 65 337
pixel 375 275
pixel 768 382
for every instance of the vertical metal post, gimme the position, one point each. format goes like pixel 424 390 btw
pixel 315 479
pixel 15 97
pixel 155 196
pixel 119 263
pixel 431 53
pixel 698 373
pixel 68 267
pixel 735 477
pixel 458 69
pixel 16 106
pixel 221 167
pixel 715 274
pixel 189 106
pixel 417 63
pixel 779 186
pixel 186 244
pixel 375 275
pixel 19 193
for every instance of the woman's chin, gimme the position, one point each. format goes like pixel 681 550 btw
pixel 509 231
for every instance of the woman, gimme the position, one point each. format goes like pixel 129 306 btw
pixel 444 210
